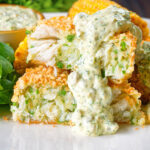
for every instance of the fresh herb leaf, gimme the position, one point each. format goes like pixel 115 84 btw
pixel 60 64
pixel 5 96
pixel 116 51
pixel 28 32
pixel 70 37
pixel 62 92
pixel 68 66
pixel 123 46
pixel 123 71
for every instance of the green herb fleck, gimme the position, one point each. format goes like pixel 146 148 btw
pixel 31 46
pixel 123 71
pixel 116 58
pixel 26 101
pixel 60 122
pixel 37 91
pixel 65 44
pixel 30 90
pixel 28 31
pixel 31 112
pixel 68 66
pixel 60 64
pixel 123 46
pixel 74 107
pixel 116 51
pixel 70 37
pixel 15 104
pixel 124 38
pixel 120 65
pixel 103 73
pixel 62 92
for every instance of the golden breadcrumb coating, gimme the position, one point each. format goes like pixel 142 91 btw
pixel 40 76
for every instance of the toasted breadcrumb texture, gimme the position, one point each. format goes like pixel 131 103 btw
pixel 40 76
pixel 92 6
pixel 61 23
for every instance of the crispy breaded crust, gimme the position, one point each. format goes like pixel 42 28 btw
pixel 40 76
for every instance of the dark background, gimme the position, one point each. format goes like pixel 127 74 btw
pixel 141 7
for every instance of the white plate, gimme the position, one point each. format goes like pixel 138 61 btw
pixel 15 136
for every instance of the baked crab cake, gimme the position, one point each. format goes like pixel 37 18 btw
pixel 41 95
pixel 85 64
pixel 55 42
pixel 41 44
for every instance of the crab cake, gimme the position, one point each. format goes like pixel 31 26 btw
pixel 42 95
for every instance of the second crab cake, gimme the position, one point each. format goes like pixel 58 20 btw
pixel 42 95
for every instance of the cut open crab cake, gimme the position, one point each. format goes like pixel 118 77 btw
pixel 41 95
pixel 58 46
pixel 96 50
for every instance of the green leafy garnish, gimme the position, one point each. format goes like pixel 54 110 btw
pixel 60 64
pixel 70 37
pixel 7 52
pixel 123 46
pixel 44 5
pixel 8 76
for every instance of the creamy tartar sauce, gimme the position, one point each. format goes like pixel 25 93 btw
pixel 94 115
pixel 14 18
